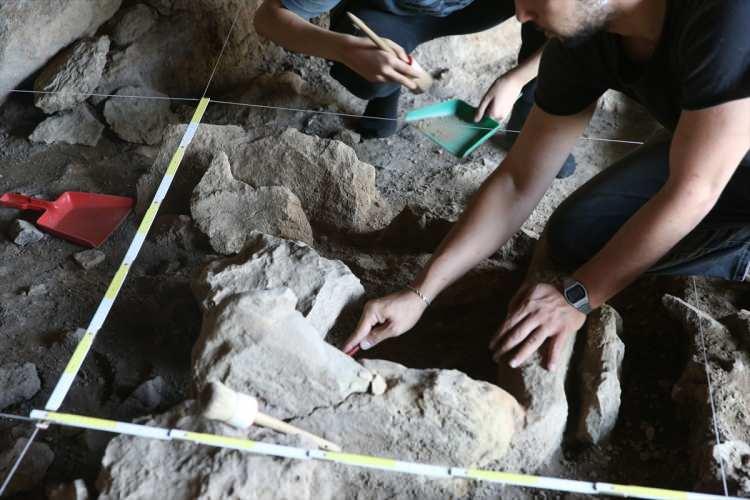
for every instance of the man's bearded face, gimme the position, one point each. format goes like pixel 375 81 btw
pixel 572 21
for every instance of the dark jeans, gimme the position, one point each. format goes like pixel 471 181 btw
pixel 411 31
pixel 718 247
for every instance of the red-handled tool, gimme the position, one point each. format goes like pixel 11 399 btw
pixel 353 351
pixel 84 218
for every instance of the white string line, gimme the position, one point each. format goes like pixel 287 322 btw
pixel 8 416
pixel 302 110
pixel 91 94
pixel 710 389
pixel 18 461
pixel 223 48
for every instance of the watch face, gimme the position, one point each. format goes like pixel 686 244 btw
pixel 575 293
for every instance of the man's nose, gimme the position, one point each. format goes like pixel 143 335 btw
pixel 523 13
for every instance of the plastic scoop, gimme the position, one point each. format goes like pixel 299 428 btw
pixel 451 125
pixel 86 219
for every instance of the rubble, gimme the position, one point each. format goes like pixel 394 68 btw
pixel 89 259
pixel 19 381
pixel 323 288
pixel 601 367
pixel 228 210
pixel 26 41
pixel 72 75
pixel 24 233
pixel 141 121
pixel 133 23
pixel 33 468
pixel 79 126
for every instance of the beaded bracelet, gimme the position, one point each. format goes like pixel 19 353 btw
pixel 419 294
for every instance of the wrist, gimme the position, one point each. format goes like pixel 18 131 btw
pixel 340 48
pixel 426 301
pixel 576 295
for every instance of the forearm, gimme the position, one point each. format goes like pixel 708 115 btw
pixel 649 235
pixel 290 31
pixel 493 216
pixel 526 70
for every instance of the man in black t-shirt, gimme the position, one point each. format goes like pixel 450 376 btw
pixel 677 207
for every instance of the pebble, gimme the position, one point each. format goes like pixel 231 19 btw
pixel 378 385
pixel 20 382
pixel 37 290
pixel 365 375
pixel 89 259
pixel 24 233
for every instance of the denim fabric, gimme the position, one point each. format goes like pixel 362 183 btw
pixel 587 220
pixel 411 31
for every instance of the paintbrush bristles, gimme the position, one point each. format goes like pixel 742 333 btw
pixel 218 401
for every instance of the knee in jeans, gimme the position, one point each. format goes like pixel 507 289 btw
pixel 565 239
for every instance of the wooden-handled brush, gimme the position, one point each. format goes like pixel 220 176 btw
pixel 424 81
pixel 219 402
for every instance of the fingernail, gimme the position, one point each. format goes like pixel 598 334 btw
pixel 513 363
pixel 365 344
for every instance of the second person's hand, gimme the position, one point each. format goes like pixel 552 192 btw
pixel 499 99
pixel 375 65
pixel 385 318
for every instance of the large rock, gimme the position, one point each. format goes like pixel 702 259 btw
pixel 33 468
pixel 433 416
pixel 79 126
pixel 542 394
pixel 71 75
pixel 141 121
pixel 228 210
pixel 600 375
pixel 20 382
pixel 728 366
pixel 32 32
pixel 337 191
pixel 260 344
pixel 133 23
pixel 324 288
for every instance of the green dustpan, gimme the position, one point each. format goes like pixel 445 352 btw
pixel 451 125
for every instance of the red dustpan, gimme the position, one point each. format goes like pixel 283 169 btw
pixel 83 218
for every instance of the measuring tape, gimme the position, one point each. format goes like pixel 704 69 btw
pixel 365 461
pixel 100 316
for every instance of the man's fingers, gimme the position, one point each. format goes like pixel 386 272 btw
pixel 554 351
pixel 368 320
pixel 529 347
pixel 394 76
pixel 514 337
pixel 482 107
pixel 400 52
pixel 405 69
pixel 377 335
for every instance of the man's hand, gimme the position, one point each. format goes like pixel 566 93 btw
pixel 499 99
pixel 376 65
pixel 537 314
pixel 387 317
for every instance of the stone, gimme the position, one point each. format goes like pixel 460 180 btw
pixel 152 395
pixel 76 490
pixel 228 210
pixel 348 137
pixel 728 367
pixel 739 325
pixel 542 394
pixel 140 121
pixel 600 370
pixel 260 344
pixel 378 386
pixel 89 259
pixel 133 23
pixel 33 468
pixel 20 382
pixel 80 126
pixel 24 233
pixel 31 33
pixel 72 75
pixel 429 416
pixel 337 190
pixel 735 455
pixel 323 288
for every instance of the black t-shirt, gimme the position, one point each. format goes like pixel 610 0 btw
pixel 702 60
